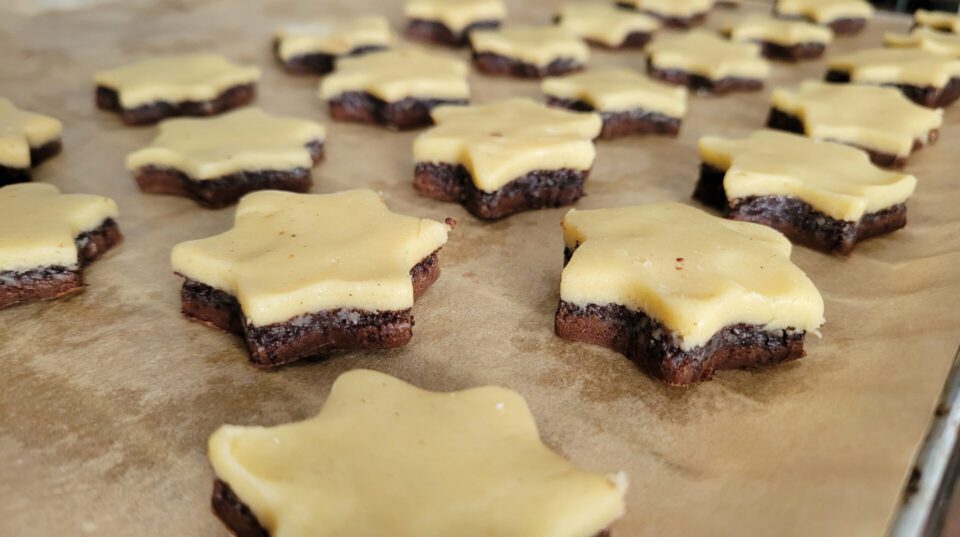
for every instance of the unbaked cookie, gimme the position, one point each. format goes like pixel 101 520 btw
pixel 449 22
pixel 395 88
pixel 503 158
pixel 926 39
pixel 167 86
pixel 940 21
pixel 384 458
pixel 628 102
pixel 881 121
pixel 605 25
pixel 784 40
pixel 528 51
pixel 313 47
pixel 844 17
pixel 673 13
pixel 305 274
pixel 26 140
pixel 926 78
pixel 706 63
pixel 683 293
pixel 47 238
pixel 217 160
pixel 820 194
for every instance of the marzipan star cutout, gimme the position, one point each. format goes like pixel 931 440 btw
pixel 384 458
pixel 248 139
pixel 26 139
pixel 295 253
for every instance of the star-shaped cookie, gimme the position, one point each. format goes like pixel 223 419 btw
pixel 26 140
pixel 842 16
pixel 925 39
pixel 707 63
pixel 673 13
pixel 782 39
pixel 629 102
pixel 313 47
pixel 183 85
pixel 217 160
pixel 386 458
pixel 449 22
pixel 302 274
pixel 937 20
pixel 606 25
pixel 925 77
pixel 396 88
pixel 821 194
pixel 528 51
pixel 683 293
pixel 509 156
pixel 878 120
pixel 46 238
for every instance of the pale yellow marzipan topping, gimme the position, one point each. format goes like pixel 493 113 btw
pixel 385 458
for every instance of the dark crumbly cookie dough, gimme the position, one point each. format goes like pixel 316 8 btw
pixel 310 334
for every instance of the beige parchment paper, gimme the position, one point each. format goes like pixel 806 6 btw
pixel 108 398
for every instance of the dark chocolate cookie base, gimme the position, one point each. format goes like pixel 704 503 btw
pixel 310 334
pixel 226 190
pixel 497 65
pixel 846 26
pixel 53 282
pixel 317 63
pixel 702 84
pixel 797 219
pixel 655 349
pixel 787 122
pixel 670 21
pixel 626 123
pixel 241 521
pixel 108 99
pixel 539 189
pixel 439 33
pixel 792 53
pixel 10 175
pixel 408 113
pixel 633 40
pixel 928 96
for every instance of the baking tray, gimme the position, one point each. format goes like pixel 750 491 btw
pixel 108 397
